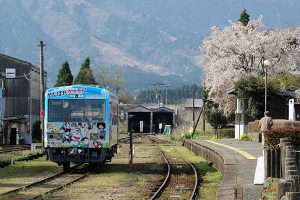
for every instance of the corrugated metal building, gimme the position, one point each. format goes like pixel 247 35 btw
pixel 20 99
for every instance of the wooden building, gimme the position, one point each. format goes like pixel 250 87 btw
pixel 20 100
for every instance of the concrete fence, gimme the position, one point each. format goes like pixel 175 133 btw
pixel 226 164
pixel 289 184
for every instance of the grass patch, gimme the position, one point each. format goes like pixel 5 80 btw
pixel 207 135
pixel 24 172
pixel 271 191
pixel 245 137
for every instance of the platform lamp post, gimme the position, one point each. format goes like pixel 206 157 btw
pixel 130 128
pixel 266 63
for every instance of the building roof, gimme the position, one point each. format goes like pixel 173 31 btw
pixel 285 93
pixel 16 60
pixel 139 108
pixel 231 90
pixel 163 109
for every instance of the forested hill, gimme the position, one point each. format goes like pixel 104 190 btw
pixel 174 95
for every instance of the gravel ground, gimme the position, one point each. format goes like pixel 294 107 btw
pixel 116 180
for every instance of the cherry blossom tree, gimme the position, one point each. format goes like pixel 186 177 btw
pixel 239 51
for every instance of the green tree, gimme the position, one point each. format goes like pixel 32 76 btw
pixel 252 90
pixel 244 18
pixel 64 76
pixel 85 75
pixel 216 119
pixel 213 114
pixel 285 82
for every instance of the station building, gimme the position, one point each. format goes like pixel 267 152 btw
pixel 20 99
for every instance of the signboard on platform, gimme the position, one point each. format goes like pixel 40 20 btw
pixel 291 110
pixel 141 126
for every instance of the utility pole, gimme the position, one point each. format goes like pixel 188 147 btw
pixel 193 107
pixel 158 84
pixel 166 96
pixel 167 87
pixel 2 77
pixel 203 106
pixel 42 88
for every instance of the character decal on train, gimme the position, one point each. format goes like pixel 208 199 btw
pixel 77 134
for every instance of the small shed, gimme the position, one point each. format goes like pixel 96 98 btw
pixel 164 116
pixel 150 118
pixel 139 113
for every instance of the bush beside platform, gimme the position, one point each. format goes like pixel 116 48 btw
pixel 7 158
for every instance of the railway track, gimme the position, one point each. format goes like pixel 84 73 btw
pixel 181 180
pixel 13 148
pixel 160 141
pixel 48 185
pixel 126 139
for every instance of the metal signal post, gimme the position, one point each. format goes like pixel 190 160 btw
pixel 131 147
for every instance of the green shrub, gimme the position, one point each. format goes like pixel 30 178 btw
pixel 172 137
pixel 212 137
pixel 245 137
pixel 197 132
pixel 188 136
pixel 272 138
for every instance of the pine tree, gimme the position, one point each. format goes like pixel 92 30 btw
pixel 64 76
pixel 85 75
pixel 244 18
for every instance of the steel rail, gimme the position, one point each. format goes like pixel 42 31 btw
pixel 126 139
pixel 163 185
pixel 60 187
pixel 35 183
pixel 192 196
pixel 193 193
pixel 196 182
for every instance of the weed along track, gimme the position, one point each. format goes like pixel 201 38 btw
pixel 48 185
pixel 181 180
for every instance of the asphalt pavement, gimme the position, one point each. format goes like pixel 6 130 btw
pixel 244 154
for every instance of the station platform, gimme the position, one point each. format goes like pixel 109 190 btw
pixel 238 164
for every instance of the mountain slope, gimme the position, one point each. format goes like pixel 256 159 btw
pixel 160 37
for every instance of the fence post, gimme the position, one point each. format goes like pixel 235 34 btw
pixel 267 163
pixel 272 163
pixel 277 163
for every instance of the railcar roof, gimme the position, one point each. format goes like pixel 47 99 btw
pixel 89 87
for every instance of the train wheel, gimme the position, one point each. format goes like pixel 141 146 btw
pixel 66 167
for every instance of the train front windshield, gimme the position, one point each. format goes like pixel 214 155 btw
pixel 76 110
